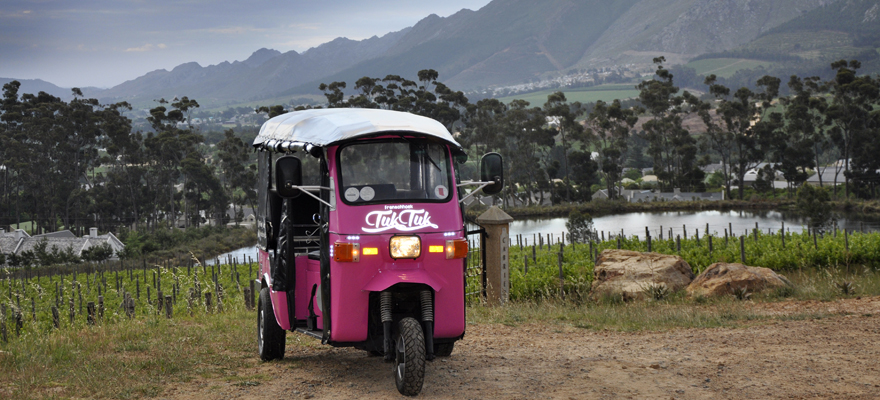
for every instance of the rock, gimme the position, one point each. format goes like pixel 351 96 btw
pixel 725 278
pixel 631 273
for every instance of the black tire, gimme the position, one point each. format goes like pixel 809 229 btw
pixel 409 364
pixel 443 349
pixel 270 337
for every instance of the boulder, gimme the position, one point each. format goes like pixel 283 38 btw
pixel 631 274
pixel 726 278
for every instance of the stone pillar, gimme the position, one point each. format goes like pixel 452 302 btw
pixel 497 225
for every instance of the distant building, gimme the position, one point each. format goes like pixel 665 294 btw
pixel 19 241
pixel 828 175
pixel 646 196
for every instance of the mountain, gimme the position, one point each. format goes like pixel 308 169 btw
pixel 509 42
pixel 514 41
pixel 264 74
pixel 847 28
pixel 681 29
pixel 34 86
pixel 805 45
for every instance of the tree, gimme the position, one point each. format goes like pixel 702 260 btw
pixel 813 202
pixel 238 176
pixel 672 148
pixel 564 115
pixel 169 147
pixel 272 111
pixel 803 139
pixel 610 127
pixel 740 137
pixel 98 253
pixel 333 93
pixel 850 111
pixel 580 227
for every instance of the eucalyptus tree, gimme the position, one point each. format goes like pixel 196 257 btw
pixel 804 130
pixel 610 126
pixel 525 135
pixel 238 175
pixel 167 148
pixel 851 113
pixel 564 115
pixel 12 149
pixel 672 148
pixel 334 94
pixel 43 181
pixel 271 111
pixel 738 137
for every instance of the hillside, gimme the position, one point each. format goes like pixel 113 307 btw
pixel 846 29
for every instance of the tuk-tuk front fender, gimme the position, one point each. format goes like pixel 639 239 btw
pixel 387 278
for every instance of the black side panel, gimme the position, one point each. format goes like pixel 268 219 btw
pixel 274 219
pixel 325 252
pixel 283 272
pixel 262 202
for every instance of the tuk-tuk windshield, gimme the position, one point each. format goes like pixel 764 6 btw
pixel 394 170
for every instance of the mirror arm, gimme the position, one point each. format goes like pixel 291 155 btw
pixel 482 185
pixel 305 189
pixel 471 183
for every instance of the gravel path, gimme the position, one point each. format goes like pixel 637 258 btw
pixel 790 357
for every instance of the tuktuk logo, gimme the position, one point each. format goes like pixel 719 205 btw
pixel 407 220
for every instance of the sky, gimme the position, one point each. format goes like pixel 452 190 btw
pixel 103 43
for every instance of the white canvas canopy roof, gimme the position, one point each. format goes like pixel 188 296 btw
pixel 323 127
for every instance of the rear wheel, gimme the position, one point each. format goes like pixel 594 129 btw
pixel 409 364
pixel 270 337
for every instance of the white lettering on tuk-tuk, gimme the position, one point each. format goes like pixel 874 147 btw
pixel 407 221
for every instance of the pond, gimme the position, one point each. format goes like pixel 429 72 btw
pixel 718 221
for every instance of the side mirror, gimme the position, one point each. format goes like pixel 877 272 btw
pixel 288 173
pixel 492 169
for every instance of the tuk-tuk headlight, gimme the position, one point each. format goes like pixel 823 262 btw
pixel 405 247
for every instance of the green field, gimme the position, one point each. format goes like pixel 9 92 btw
pixel 605 93
pixel 725 67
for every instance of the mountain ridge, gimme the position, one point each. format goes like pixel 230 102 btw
pixel 506 42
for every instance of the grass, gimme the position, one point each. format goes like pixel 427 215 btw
pixel 605 93
pixel 128 359
pixel 677 311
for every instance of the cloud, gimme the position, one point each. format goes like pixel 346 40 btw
pixel 146 47
pixel 305 26
pixel 14 14
pixel 235 30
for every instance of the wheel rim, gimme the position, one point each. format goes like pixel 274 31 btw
pixel 401 358
pixel 260 327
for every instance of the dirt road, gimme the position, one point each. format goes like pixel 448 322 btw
pixel 790 357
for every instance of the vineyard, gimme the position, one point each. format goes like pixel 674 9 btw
pixel 39 300
pixel 34 300
pixel 539 270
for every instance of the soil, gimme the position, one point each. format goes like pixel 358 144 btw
pixel 835 356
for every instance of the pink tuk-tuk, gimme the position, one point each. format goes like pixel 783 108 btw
pixel 361 237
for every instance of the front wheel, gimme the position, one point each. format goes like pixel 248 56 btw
pixel 270 336
pixel 409 364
